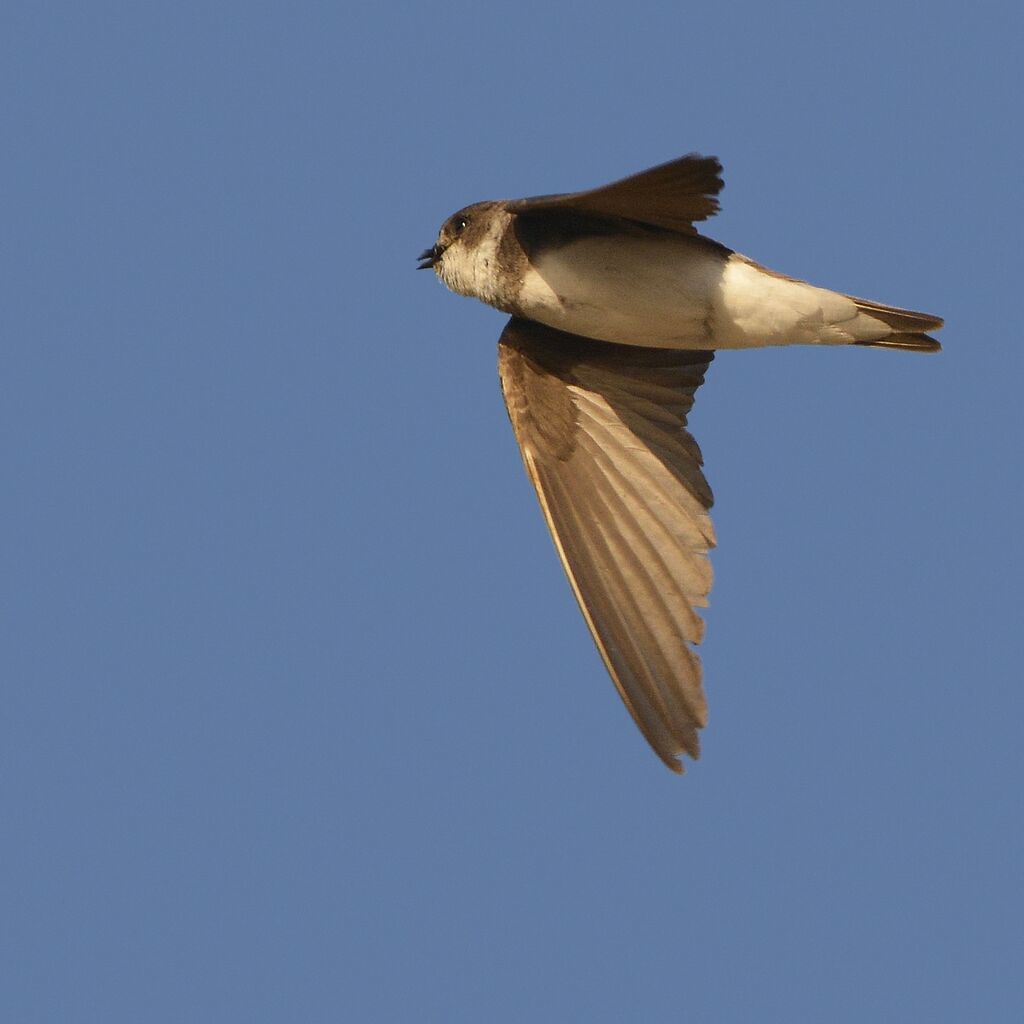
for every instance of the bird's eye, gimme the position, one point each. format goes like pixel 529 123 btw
pixel 460 225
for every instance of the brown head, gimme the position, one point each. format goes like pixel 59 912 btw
pixel 466 253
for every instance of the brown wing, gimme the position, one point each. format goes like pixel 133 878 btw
pixel 602 433
pixel 672 195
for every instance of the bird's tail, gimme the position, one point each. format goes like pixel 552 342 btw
pixel 908 327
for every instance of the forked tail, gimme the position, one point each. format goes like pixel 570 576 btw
pixel 908 327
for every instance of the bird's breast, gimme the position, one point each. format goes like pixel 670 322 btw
pixel 655 291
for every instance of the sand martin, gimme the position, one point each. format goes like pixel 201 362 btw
pixel 617 304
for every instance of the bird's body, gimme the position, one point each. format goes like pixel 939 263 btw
pixel 617 306
pixel 632 284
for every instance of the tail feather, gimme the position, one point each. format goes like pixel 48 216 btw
pixel 907 342
pixel 908 327
pixel 903 320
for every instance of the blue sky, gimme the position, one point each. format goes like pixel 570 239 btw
pixel 300 719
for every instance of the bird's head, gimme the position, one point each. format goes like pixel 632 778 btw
pixel 466 251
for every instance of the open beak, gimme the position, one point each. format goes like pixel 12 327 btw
pixel 429 257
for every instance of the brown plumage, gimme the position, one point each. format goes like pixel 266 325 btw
pixel 909 325
pixel 672 195
pixel 602 424
pixel 603 436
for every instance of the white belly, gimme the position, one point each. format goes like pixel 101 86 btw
pixel 667 292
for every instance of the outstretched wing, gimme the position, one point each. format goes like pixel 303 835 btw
pixel 672 195
pixel 602 430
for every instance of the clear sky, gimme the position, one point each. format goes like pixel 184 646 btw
pixel 299 719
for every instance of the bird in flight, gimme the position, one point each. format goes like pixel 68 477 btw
pixel 617 305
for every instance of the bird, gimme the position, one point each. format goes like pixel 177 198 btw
pixel 617 305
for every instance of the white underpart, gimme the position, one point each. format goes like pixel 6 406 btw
pixel 753 307
pixel 669 293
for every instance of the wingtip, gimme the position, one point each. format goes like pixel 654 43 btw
pixel 676 760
